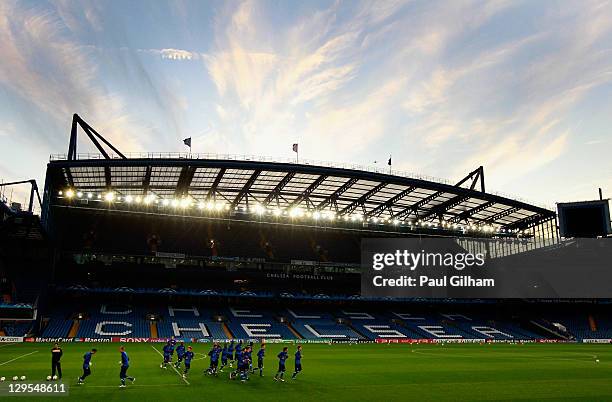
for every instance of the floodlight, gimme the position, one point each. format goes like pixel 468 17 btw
pixel 259 210
pixel 329 215
pixel 296 212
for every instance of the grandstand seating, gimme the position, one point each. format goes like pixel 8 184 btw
pixel 16 328
pixel 577 324
pixel 217 321
pixel 57 328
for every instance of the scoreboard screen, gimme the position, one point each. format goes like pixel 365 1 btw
pixel 584 219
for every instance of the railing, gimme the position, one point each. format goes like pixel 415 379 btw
pixel 260 158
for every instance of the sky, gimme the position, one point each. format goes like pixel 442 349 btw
pixel 523 88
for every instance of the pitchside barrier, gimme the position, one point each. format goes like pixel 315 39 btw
pixel 16 339
pixel 11 339
pixel 187 340
pixel 463 340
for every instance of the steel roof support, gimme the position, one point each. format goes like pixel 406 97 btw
pixel 439 210
pixel 279 187
pixel 389 203
pixel 475 175
pixel 319 172
pixel 184 181
pixel 213 188
pixel 245 189
pixel 499 215
pixel 146 182
pixel 309 190
pixel 93 135
pixel 361 200
pixel 467 214
pixel 527 222
pixel 333 197
pixel 33 190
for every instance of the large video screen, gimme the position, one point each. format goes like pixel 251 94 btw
pixel 584 219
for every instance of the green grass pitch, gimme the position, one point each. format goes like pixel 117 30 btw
pixel 362 372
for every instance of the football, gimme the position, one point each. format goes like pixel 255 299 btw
pixel 48 378
pixel 23 378
pixel 15 378
pixel 2 379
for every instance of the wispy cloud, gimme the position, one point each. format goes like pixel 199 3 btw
pixel 53 74
pixel 519 87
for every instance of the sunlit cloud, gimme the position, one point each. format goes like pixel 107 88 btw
pixel 521 88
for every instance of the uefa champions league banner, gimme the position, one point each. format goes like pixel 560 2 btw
pixel 485 268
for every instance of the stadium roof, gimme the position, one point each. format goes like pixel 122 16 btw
pixel 241 184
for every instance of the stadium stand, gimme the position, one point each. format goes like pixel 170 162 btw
pixel 316 320
pixel 16 328
pixel 260 248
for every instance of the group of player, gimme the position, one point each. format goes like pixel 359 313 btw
pixel 229 354
pixel 87 363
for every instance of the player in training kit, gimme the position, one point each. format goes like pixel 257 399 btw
pixel 249 356
pixel 245 364
pixel 125 364
pixel 230 353
pixel 180 352
pixel 187 357
pixel 86 365
pixel 214 359
pixel 238 351
pixel 238 357
pixel 56 365
pixel 224 357
pixel 298 362
pixel 168 350
pixel 282 358
pixel 260 358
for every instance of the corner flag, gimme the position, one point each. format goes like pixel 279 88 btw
pixel 187 141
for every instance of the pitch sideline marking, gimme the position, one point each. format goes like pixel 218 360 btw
pixel 172 365
pixel 136 385
pixel 8 344
pixel 18 357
